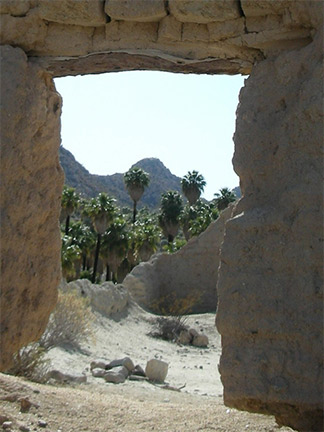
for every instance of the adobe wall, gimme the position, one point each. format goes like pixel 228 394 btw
pixel 270 286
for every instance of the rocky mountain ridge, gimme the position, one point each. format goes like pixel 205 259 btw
pixel 89 185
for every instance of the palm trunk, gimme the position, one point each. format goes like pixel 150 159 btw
pixel 67 224
pixel 134 212
pixel 170 238
pixel 95 265
pixel 84 262
pixel 107 273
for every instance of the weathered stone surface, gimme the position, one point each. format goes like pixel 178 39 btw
pixel 126 362
pixel 86 13
pixel 192 271
pixel 67 376
pixel 98 372
pixel 117 375
pixel 98 364
pixel 184 338
pixel 270 310
pixel 204 11
pixel 31 185
pixel 107 298
pixel 156 370
pixel 200 340
pixel 136 10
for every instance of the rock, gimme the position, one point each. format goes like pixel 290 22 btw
pixel 156 370
pixel 24 428
pixel 42 423
pixel 180 274
pixel 204 12
pixel 193 332
pixel 117 375
pixel 139 371
pixel 185 337
pixel 107 298
pixel 98 364
pixel 98 373
pixel 136 10
pixel 25 405
pixel 137 378
pixel 200 340
pixel 7 425
pixel 126 361
pixel 25 305
pixel 67 377
pixel 3 418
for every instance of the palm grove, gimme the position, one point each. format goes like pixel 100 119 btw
pixel 100 240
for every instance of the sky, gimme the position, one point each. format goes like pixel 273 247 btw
pixel 111 121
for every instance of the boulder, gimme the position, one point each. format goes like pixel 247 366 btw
pixel 126 362
pixel 156 370
pixel 185 337
pixel 98 364
pixel 117 376
pixel 200 340
pixel 98 372
pixel 138 371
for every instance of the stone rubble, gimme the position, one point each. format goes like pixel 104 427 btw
pixel 117 371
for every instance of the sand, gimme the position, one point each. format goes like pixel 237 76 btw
pixel 97 406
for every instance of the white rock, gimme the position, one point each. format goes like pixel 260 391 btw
pixel 117 376
pixel 156 370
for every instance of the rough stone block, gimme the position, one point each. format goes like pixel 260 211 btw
pixel 204 11
pixel 156 370
pixel 192 32
pixel 86 13
pixel 200 340
pixel 14 7
pixel 170 29
pixel 225 29
pixel 126 362
pixel 136 10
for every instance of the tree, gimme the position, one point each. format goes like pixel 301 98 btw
pixel 171 207
pixel 84 237
pixel 101 210
pixel 69 203
pixel 136 180
pixel 224 198
pixel 114 246
pixel 70 254
pixel 147 237
pixel 192 185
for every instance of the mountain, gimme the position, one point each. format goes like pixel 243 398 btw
pixel 90 185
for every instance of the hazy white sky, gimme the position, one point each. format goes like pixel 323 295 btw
pixel 111 121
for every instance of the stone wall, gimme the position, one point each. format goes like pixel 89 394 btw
pixel 91 36
pixel 31 185
pixel 270 288
pixel 190 273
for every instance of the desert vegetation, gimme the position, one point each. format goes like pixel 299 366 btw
pixel 101 241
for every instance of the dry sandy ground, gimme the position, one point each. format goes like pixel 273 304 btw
pixel 97 406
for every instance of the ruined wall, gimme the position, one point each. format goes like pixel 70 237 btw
pixel 270 288
pixel 31 184
pixel 191 271
pixel 270 307
pixel 210 36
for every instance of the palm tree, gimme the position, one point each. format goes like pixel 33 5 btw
pixel 171 207
pixel 192 185
pixel 114 247
pixel 84 237
pixel 136 180
pixel 69 203
pixel 101 210
pixel 224 198
pixel 147 238
pixel 70 254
